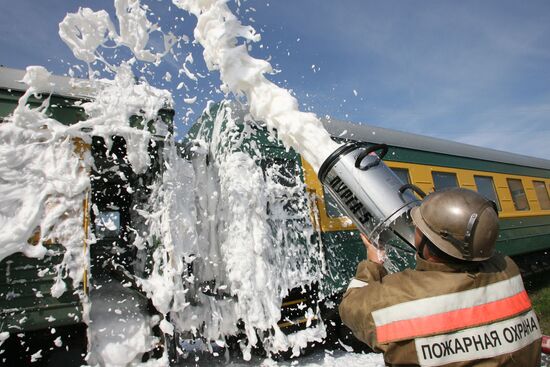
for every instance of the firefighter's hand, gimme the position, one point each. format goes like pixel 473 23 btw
pixel 374 254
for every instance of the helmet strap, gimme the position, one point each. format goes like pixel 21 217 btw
pixel 421 245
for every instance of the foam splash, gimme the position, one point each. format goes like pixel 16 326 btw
pixel 171 221
pixel 218 31
pixel 247 232
pixel 86 31
pixel 212 218
pixel 120 327
pixel 45 174
pixel 44 183
pixel 114 103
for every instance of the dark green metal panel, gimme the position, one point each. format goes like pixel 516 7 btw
pixel 66 110
pixel 26 302
pixel 249 136
pixel 62 109
pixel 343 251
pixel 165 115
pixel 25 299
pixel 524 235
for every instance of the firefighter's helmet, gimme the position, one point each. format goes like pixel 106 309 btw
pixel 460 222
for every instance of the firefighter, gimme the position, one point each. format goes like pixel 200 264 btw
pixel 464 304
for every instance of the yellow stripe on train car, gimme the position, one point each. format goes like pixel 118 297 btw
pixel 421 176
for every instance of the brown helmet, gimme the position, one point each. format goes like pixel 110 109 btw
pixel 461 223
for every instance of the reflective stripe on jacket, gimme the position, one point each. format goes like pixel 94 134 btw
pixel 444 314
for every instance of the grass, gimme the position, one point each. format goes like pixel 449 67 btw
pixel 538 287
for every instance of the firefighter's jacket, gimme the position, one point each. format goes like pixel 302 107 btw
pixel 444 314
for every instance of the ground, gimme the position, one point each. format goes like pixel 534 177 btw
pixel 538 287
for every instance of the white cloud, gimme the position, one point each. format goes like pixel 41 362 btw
pixel 523 129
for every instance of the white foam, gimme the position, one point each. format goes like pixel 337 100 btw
pixel 118 338
pixel 212 217
pixel 243 248
pixel 45 178
pixel 4 336
pixel 218 31
pixel 36 356
pixel 85 31
pixel 44 183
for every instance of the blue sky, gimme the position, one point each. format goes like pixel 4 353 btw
pixel 471 71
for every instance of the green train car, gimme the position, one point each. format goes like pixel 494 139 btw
pixel 20 308
pixel 28 311
pixel 518 184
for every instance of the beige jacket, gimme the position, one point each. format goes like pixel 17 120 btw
pixel 444 314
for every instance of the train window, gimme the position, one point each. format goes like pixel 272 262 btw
pixel 542 194
pixel 403 174
pixel 444 180
pixel 486 187
pixel 518 194
pixel 107 224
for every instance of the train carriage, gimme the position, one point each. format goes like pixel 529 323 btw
pixel 518 184
pixel 20 308
pixel 28 309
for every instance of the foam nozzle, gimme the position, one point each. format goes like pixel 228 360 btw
pixel 370 193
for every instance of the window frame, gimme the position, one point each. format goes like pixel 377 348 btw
pixel 546 199
pixel 524 193
pixel 434 172
pixel 493 186
pixel 402 170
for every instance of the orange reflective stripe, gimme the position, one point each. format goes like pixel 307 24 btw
pixel 454 320
pixel 448 302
